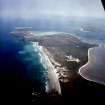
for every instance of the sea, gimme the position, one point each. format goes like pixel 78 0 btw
pixel 20 65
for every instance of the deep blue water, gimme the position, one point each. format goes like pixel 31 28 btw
pixel 14 70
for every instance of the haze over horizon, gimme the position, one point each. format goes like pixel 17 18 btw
pixel 29 9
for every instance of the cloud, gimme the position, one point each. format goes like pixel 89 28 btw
pixel 37 8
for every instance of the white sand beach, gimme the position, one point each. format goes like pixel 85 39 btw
pixel 52 83
pixel 94 69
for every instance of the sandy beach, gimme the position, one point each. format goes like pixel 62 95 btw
pixel 52 84
pixel 94 69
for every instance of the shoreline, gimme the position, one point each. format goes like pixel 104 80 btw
pixel 48 33
pixel 82 70
pixel 58 58
pixel 52 84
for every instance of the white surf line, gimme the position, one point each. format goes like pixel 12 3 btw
pixel 85 65
pixel 53 80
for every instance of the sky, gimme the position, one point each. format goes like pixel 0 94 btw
pixel 49 8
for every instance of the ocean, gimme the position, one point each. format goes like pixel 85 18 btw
pixel 20 65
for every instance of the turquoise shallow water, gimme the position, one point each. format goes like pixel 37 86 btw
pixel 30 57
